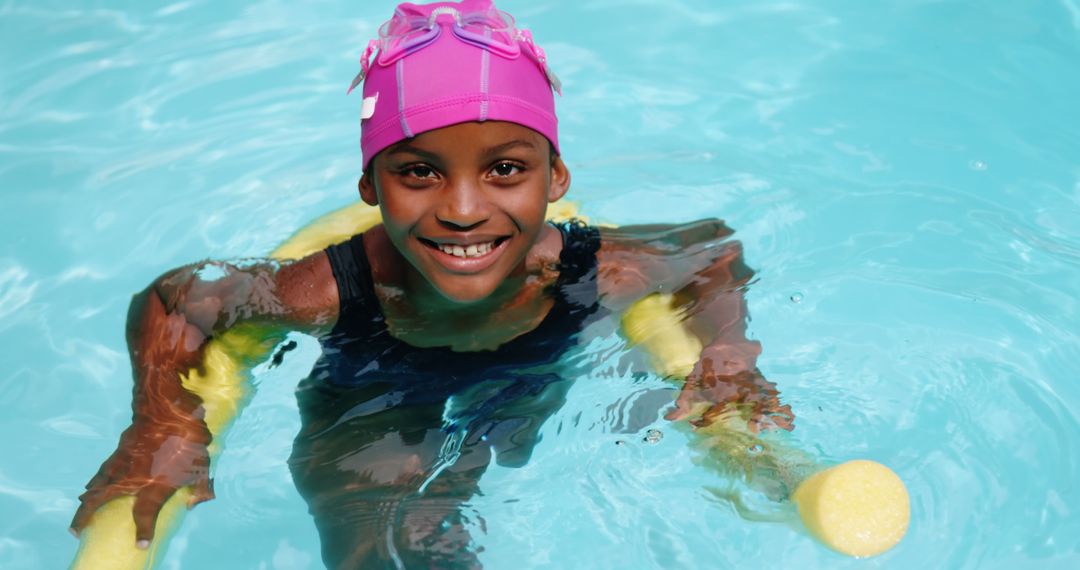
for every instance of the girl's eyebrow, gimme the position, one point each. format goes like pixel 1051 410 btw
pixel 488 152
pixel 409 149
pixel 501 148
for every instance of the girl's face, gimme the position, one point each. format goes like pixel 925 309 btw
pixel 465 204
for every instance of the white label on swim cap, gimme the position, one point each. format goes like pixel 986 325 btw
pixel 367 108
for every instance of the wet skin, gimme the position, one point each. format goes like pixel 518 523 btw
pixel 476 184
pixel 485 185
pixel 468 184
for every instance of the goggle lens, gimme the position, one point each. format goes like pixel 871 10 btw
pixel 493 30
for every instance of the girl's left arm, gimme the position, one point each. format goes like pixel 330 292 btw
pixel 706 275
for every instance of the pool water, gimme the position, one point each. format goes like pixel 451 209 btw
pixel 903 174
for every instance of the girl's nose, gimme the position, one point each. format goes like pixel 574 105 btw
pixel 463 207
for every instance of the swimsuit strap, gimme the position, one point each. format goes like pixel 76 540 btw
pixel 578 257
pixel 576 288
pixel 358 305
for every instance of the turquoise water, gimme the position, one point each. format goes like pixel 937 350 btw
pixel 904 175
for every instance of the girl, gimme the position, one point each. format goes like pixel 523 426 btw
pixel 443 329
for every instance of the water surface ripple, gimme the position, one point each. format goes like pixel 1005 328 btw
pixel 903 175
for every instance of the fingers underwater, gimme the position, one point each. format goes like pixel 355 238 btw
pixel 201 492
pixel 147 507
pixel 681 410
pixel 90 502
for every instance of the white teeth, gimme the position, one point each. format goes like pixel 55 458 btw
pixel 472 250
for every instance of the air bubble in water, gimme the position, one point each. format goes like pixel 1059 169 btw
pixel 653 436
pixel 756 449
pixel 796 298
pixel 620 442
pixel 979 165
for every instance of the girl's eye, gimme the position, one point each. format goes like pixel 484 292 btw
pixel 419 171
pixel 505 169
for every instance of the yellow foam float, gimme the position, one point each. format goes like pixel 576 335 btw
pixel 108 542
pixel 858 508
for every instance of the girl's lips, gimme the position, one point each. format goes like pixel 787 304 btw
pixel 472 258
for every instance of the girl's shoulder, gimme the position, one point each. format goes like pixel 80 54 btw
pixel 634 261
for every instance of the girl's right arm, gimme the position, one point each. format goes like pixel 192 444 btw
pixel 169 325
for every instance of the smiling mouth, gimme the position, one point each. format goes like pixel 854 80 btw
pixel 469 251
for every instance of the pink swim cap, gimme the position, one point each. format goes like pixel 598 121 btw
pixel 446 63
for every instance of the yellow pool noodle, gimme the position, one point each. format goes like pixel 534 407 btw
pixel 829 502
pixel 654 324
pixel 108 542
pixel 859 508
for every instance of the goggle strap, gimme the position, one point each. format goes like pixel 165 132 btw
pixel 525 37
pixel 554 80
pixel 507 50
pixel 365 65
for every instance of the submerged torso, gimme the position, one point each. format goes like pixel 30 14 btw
pixel 391 432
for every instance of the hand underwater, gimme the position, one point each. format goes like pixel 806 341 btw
pixel 721 386
pixel 152 461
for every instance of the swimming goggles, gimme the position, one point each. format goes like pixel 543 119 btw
pixel 493 30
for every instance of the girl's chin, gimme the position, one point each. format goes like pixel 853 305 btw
pixel 464 294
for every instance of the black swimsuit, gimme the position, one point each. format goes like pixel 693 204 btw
pixel 361 350
pixel 378 416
